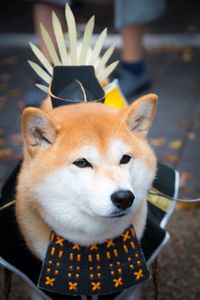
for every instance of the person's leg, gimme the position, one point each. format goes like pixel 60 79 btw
pixel 132 50
pixel 43 14
pixel 132 57
pixel 130 17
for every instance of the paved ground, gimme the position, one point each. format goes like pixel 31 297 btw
pixel 175 137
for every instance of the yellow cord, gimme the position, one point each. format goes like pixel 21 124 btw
pixel 7 205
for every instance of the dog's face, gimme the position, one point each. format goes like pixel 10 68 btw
pixel 89 165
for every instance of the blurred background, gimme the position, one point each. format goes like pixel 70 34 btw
pixel 172 57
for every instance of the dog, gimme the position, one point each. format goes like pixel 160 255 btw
pixel 86 172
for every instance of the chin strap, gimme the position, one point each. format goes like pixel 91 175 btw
pixel 157 193
pixel 151 192
pixel 196 200
pixel 7 205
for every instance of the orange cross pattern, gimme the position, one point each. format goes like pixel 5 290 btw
pixel 72 286
pixel 52 237
pixel 118 281
pixel 139 274
pixel 53 251
pixel 49 281
pixel 76 247
pixel 93 247
pixel 110 243
pixel 126 236
pixel 133 245
pixel 96 285
pixel 132 231
pixel 59 241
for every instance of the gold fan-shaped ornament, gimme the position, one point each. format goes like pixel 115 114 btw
pixel 77 53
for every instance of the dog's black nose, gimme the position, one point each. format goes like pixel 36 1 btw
pixel 122 199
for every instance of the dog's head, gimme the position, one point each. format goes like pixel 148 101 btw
pixel 88 165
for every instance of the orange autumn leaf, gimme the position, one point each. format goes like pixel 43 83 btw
pixel 20 105
pixel 184 177
pixel 15 93
pixel 196 124
pixel 3 101
pixel 156 142
pixel 3 87
pixel 188 190
pixel 183 125
pixel 2 142
pixel 16 139
pixel 187 55
pixel 5 153
pixel 2 130
pixel 5 77
pixel 176 144
pixel 191 136
pixel 10 60
pixel 17 156
pixel 171 158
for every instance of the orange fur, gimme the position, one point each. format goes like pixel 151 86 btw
pixel 69 128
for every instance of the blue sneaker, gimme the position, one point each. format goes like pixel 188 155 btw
pixel 130 83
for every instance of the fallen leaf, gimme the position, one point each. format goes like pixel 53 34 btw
pixel 5 77
pixel 5 153
pixel 191 136
pixel 3 87
pixel 192 28
pixel 15 93
pixel 2 130
pixel 156 142
pixel 3 100
pixel 20 105
pixel 17 156
pixel 184 177
pixel 152 50
pixel 196 124
pixel 187 55
pixel 197 195
pixel 188 190
pixel 183 125
pixel 171 48
pixel 176 144
pixel 11 60
pixel 2 142
pixel 16 139
pixel 171 158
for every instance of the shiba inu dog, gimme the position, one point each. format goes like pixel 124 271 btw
pixel 86 172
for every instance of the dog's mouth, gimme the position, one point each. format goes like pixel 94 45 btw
pixel 113 215
pixel 116 215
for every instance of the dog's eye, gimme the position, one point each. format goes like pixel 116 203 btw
pixel 125 159
pixel 82 163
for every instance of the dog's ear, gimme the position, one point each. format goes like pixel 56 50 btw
pixel 39 129
pixel 140 113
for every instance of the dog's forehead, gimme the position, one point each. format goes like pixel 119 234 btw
pixel 118 146
pixel 114 150
pixel 82 110
pixel 90 122
pixel 93 129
